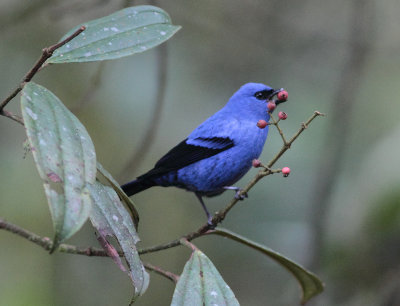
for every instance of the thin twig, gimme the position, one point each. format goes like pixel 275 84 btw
pixel 188 244
pixel 189 237
pixel 276 123
pixel 289 143
pixel 12 116
pixel 46 54
pixel 158 270
pixel 47 244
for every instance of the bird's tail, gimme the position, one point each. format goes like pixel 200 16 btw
pixel 136 186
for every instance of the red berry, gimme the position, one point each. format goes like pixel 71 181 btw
pixel 256 163
pixel 262 124
pixel 285 171
pixel 271 105
pixel 282 95
pixel 282 115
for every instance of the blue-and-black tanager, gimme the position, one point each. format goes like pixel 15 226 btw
pixel 218 152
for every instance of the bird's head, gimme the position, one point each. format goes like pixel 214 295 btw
pixel 252 98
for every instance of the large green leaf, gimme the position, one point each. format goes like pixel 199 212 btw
pixel 201 284
pixel 114 184
pixel 126 32
pixel 110 218
pixel 310 284
pixel 64 155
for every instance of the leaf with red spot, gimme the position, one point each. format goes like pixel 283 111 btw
pixel 64 156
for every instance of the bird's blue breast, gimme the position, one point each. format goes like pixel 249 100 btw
pixel 210 175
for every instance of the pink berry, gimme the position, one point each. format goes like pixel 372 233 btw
pixel 271 105
pixel 282 115
pixel 285 171
pixel 256 163
pixel 282 95
pixel 262 124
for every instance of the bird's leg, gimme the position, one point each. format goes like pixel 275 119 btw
pixel 238 191
pixel 209 216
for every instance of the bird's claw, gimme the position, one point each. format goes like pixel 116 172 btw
pixel 240 195
pixel 211 224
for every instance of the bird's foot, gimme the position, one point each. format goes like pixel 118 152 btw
pixel 211 224
pixel 239 195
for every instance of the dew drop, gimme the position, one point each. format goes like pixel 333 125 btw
pixel 30 112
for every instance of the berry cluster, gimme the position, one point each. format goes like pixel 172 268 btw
pixel 281 96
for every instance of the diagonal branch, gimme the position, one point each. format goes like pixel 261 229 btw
pixel 158 270
pixel 12 116
pixel 47 244
pixel 46 54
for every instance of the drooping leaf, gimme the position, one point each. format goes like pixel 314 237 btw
pixel 114 184
pixel 310 284
pixel 64 155
pixel 126 32
pixel 201 284
pixel 110 218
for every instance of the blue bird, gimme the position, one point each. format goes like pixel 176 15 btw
pixel 218 152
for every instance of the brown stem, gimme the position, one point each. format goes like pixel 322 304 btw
pixel 158 270
pixel 274 122
pixel 47 244
pixel 188 244
pixel 46 54
pixel 286 146
pixel 12 116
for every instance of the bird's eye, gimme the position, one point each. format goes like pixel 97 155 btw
pixel 264 94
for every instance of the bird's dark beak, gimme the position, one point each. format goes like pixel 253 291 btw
pixel 275 93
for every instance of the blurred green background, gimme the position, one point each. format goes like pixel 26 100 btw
pixel 338 213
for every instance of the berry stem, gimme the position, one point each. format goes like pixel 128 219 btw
pixel 275 122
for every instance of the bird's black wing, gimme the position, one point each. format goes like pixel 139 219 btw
pixel 185 154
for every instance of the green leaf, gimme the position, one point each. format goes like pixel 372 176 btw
pixel 110 218
pixel 114 184
pixel 126 32
pixel 310 284
pixel 64 155
pixel 201 284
